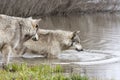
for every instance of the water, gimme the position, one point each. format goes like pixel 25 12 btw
pixel 100 37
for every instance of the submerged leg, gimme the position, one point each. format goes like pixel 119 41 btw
pixel 6 51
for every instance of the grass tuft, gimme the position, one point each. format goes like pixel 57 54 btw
pixel 35 72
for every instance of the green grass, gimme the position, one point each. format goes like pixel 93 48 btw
pixel 35 72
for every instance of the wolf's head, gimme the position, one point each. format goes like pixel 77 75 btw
pixel 30 27
pixel 75 41
pixel 71 40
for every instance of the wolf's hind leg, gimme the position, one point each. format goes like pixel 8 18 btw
pixel 6 51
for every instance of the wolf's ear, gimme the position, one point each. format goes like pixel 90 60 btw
pixel 36 21
pixel 76 32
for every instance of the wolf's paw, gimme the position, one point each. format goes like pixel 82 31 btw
pixel 4 66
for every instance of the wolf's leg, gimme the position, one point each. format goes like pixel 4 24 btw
pixel 51 56
pixel 53 53
pixel 22 51
pixel 6 51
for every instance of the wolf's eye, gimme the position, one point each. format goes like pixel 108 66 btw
pixel 36 26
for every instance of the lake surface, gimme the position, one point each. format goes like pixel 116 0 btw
pixel 100 38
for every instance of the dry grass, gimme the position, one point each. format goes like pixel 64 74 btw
pixel 46 7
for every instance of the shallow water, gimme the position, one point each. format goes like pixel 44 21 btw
pixel 100 37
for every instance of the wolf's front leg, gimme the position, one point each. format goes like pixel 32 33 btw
pixel 52 55
pixel 6 51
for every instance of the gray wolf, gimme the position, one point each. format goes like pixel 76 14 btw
pixel 14 31
pixel 52 42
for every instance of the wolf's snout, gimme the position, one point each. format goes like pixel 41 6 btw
pixel 79 50
pixel 35 38
pixel 78 47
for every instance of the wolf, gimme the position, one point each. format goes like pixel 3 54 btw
pixel 14 31
pixel 53 42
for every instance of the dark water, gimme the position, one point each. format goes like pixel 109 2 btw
pixel 100 37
